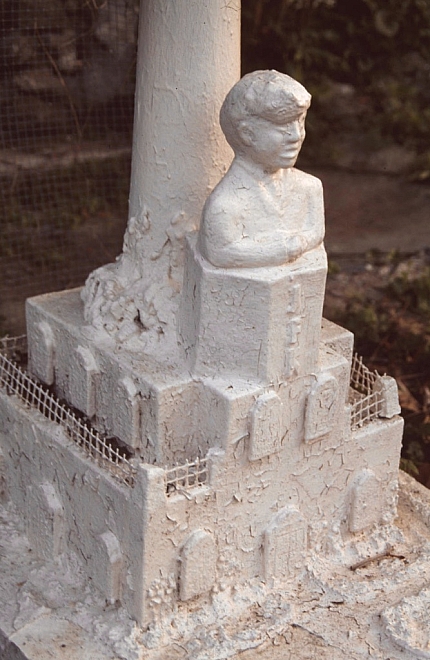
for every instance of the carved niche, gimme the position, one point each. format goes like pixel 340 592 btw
pixel 42 352
pixel 265 432
pixel 198 559
pixel 386 387
pixel 83 380
pixel 285 544
pixel 321 407
pixel 107 564
pixel 46 524
pixel 366 502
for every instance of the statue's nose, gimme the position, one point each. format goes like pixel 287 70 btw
pixel 294 131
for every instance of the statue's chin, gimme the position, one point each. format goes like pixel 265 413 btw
pixel 289 161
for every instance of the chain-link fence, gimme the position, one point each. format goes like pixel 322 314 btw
pixel 67 70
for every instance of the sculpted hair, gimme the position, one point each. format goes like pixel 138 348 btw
pixel 269 95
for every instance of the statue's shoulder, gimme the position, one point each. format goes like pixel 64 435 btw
pixel 225 198
pixel 307 181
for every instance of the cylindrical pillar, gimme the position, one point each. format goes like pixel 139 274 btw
pixel 188 59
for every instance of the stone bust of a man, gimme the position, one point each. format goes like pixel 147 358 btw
pixel 264 212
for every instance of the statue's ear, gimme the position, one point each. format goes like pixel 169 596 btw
pixel 246 133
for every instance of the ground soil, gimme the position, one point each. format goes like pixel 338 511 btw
pixel 374 211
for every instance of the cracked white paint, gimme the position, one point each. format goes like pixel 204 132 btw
pixel 242 371
pixel 179 154
pixel 263 212
pixel 378 611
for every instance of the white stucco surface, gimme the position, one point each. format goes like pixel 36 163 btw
pixel 189 57
pixel 49 610
pixel 256 446
pixel 195 449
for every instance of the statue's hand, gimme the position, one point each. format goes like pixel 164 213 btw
pixel 295 246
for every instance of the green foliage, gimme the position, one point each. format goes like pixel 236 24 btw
pixel 366 321
pixel 74 194
pixel 413 293
pixel 409 466
pixel 80 194
pixel 346 40
pixel 416 442
pixel 380 47
pixel 333 267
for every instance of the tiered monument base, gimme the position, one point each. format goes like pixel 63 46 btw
pixel 240 477
pixel 49 610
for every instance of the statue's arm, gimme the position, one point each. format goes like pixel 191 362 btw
pixel 225 243
pixel 314 227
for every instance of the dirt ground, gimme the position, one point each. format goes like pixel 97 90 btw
pixel 374 211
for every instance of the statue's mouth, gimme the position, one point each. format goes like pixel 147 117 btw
pixel 292 149
pixel 291 153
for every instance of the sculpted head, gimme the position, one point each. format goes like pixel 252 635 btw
pixel 263 118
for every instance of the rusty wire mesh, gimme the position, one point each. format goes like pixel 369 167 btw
pixel 15 381
pixel 366 402
pixel 66 112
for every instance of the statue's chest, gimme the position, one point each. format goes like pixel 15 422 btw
pixel 276 209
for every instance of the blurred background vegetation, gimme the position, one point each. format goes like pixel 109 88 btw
pixel 367 65
pixel 67 71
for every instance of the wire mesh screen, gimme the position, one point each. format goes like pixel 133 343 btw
pixel 67 70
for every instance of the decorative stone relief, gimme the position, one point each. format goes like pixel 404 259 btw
pixel 83 381
pixel 42 352
pixel 257 324
pixel 294 326
pixel 229 562
pixel 265 430
pixel 285 544
pixel 197 565
pixel 365 508
pixel 161 596
pixel 45 521
pixel 3 483
pixel 292 337
pixel 107 564
pixel 128 418
pixel 294 305
pixel 321 407
pixel 386 386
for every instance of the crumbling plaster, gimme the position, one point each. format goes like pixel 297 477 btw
pixel 152 527
pixel 247 387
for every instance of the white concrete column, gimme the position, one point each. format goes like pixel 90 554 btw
pixel 188 59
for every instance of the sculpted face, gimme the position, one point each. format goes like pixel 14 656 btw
pixel 273 146
pixel 263 212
